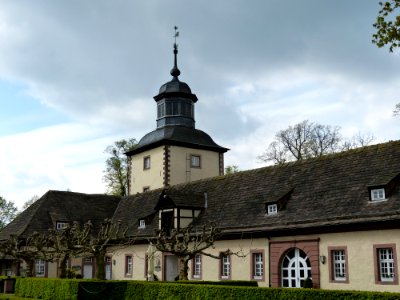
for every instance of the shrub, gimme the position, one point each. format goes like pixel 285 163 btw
pixel 46 288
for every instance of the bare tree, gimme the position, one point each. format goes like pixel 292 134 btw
pixel 186 242
pixel 396 111
pixel 301 141
pixel 307 139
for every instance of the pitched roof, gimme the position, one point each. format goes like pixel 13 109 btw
pixel 60 206
pixel 322 192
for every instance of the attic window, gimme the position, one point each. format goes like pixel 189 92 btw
pixel 61 225
pixel 142 224
pixel 272 209
pixel 378 194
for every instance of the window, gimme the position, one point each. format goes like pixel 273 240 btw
pixel 225 267
pixel 61 225
pixel 40 268
pixel 385 265
pixel 338 265
pixel 257 268
pixel 142 224
pixel 146 162
pixel 195 161
pixel 377 194
pixel 197 266
pixel 128 265
pixel 272 209
pixel 167 221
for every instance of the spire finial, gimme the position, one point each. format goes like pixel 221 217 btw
pixel 175 71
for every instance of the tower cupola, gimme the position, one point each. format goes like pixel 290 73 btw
pixel 175 100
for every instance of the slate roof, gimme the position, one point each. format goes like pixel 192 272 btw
pixel 178 136
pixel 325 193
pixel 60 206
pixel 330 193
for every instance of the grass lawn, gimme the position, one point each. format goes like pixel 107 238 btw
pixel 12 297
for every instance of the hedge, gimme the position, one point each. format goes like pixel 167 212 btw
pixel 46 288
pixel 43 288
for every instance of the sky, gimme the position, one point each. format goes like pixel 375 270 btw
pixel 75 76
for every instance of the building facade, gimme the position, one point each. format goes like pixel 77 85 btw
pixel 332 220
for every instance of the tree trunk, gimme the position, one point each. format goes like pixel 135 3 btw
pixel 30 264
pixel 63 266
pixel 183 268
pixel 100 267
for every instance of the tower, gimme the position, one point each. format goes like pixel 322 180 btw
pixel 175 152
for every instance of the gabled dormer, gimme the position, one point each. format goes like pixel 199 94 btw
pixel 277 202
pixel 178 210
pixel 382 188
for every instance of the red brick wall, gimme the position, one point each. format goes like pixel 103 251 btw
pixel 277 251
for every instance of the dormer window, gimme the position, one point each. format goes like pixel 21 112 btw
pixel 61 225
pixel 272 209
pixel 378 194
pixel 142 224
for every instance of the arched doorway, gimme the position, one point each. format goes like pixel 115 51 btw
pixel 295 268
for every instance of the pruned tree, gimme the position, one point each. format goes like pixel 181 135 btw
pixel 8 211
pixel 27 250
pixel 231 169
pixel 117 167
pixel 307 139
pixel 68 242
pixel 107 235
pixel 387 25
pixel 186 242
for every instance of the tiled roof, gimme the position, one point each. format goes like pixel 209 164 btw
pixel 324 191
pixel 57 206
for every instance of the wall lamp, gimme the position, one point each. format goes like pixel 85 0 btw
pixel 322 259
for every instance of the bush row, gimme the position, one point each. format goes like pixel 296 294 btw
pixel 131 290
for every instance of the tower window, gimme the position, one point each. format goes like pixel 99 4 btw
pixel 195 161
pixel 146 163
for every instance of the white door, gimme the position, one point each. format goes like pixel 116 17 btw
pixel 295 268
pixel 108 271
pixel 171 267
pixel 87 271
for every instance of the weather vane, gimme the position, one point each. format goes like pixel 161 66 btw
pixel 176 34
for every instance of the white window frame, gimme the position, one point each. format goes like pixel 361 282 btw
pixel 61 225
pixel 378 194
pixel 129 264
pixel 339 265
pixel 142 224
pixel 146 162
pixel 386 264
pixel 272 209
pixel 197 266
pixel 40 268
pixel 226 267
pixel 195 161
pixel 258 265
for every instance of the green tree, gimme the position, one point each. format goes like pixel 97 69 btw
pixel 231 169
pixel 387 25
pixel 117 167
pixel 30 202
pixel 8 211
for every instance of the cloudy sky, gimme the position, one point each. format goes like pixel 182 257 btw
pixel 75 76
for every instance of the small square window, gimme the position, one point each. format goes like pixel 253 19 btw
pixel 272 209
pixel 146 163
pixel 142 224
pixel 61 225
pixel 195 161
pixel 377 194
